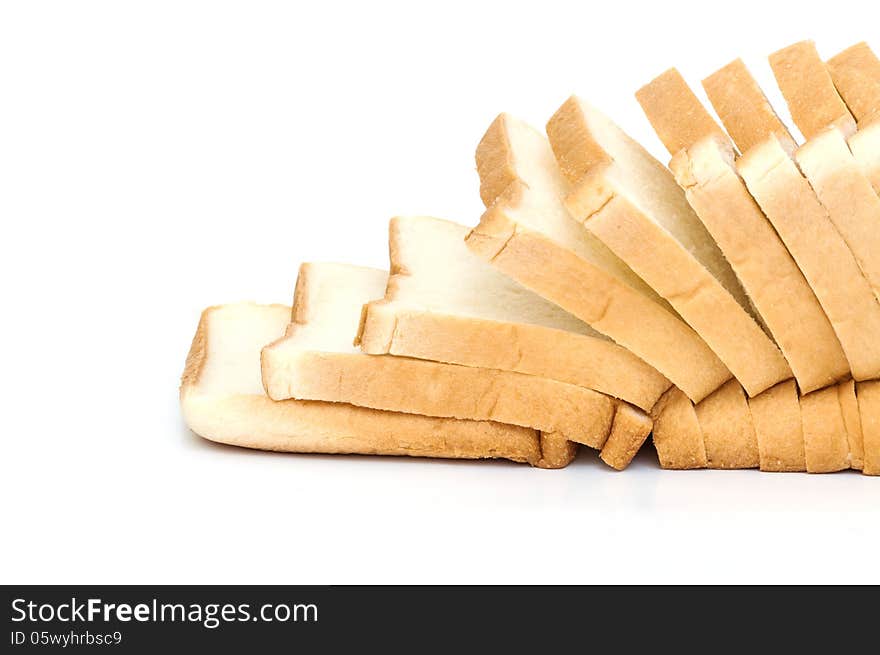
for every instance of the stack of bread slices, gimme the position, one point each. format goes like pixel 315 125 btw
pixel 728 303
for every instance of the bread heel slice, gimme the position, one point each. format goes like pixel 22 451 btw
pixel 826 447
pixel 728 431
pixel 678 438
pixel 776 415
pixel 629 431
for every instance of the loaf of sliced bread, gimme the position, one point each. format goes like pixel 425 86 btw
pixel 776 415
pixel 704 167
pixel 632 203
pixel 222 399
pixel 317 360
pixel 527 234
pixel 443 303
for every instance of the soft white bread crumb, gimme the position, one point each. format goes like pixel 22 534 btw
pixel 443 303
pixel 222 399
pixel 527 234
pixel 633 204
pixel 317 361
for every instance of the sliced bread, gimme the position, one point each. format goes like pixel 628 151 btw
pixel 868 395
pixel 445 304
pixel 527 233
pixel 808 90
pixel 222 399
pixel 826 446
pixel 849 407
pixel 728 432
pixel 677 436
pixel 849 198
pixel 633 204
pixel 856 75
pixel 628 432
pixel 318 361
pixel 776 415
pixel 704 167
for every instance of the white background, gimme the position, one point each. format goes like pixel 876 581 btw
pixel 157 157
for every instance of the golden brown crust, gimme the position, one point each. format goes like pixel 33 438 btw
pixel 743 108
pixel 628 432
pixel 198 350
pixel 728 432
pixel 556 451
pixel 849 407
pixel 868 394
pixel 677 435
pixel 775 284
pixel 809 91
pixel 611 307
pixel 826 448
pixel 776 415
pixel 577 153
pixel 676 114
pixel 856 75
pixel 494 161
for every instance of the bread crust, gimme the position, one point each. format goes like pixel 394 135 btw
pixel 728 431
pixel 628 432
pixel 776 415
pixel 668 265
pixel 254 421
pixel 678 438
pixel 744 109
pixel 808 90
pixel 802 222
pixel 826 447
pixel 868 395
pixel 849 407
pixel 856 76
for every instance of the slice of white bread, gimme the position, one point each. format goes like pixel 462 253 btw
pixel 809 92
pixel 849 198
pixel 633 204
pixel 704 167
pixel 728 431
pixel 222 399
pixel 678 438
pixel 445 304
pixel 826 446
pixel 802 222
pixel 317 360
pixel 732 88
pixel 868 395
pixel 776 415
pixel 849 406
pixel 856 75
pixel 527 234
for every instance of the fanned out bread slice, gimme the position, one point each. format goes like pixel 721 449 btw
pixel 776 415
pixel 728 431
pixel 849 198
pixel 826 445
pixel 856 75
pixel 317 360
pixel 527 233
pixel 628 432
pixel 849 406
pixel 678 438
pixel 806 85
pixel 868 395
pixel 632 203
pixel 445 304
pixel 704 167
pixel 222 399
pixel 803 224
